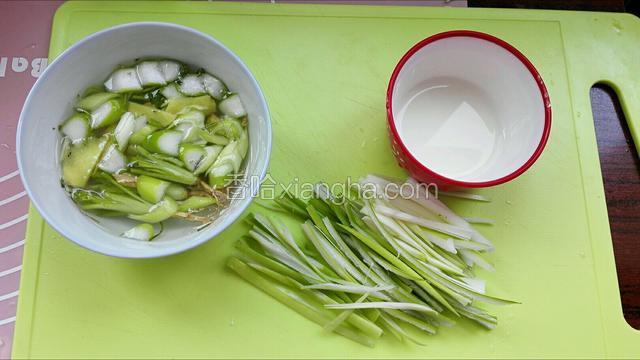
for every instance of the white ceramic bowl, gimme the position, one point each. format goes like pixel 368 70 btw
pixel 89 62
pixel 467 109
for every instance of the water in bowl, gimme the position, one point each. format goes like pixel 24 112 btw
pixel 451 127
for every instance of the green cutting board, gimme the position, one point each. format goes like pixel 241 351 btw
pixel 324 70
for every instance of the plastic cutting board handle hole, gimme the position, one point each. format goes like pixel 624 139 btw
pixel 620 166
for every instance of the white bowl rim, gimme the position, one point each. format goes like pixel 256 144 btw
pixel 205 235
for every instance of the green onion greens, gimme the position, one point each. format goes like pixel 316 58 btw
pixel 361 265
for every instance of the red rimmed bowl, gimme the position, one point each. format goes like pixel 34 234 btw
pixel 466 109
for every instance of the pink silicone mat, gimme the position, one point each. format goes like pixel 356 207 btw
pixel 24 41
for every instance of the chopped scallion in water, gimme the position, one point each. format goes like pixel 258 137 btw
pixel 138 146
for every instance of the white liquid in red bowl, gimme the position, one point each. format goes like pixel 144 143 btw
pixel 469 108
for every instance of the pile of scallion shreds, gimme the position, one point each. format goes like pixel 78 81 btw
pixel 370 264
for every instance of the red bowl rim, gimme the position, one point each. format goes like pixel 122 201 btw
pixel 523 59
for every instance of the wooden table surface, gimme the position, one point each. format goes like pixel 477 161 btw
pixel 621 175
